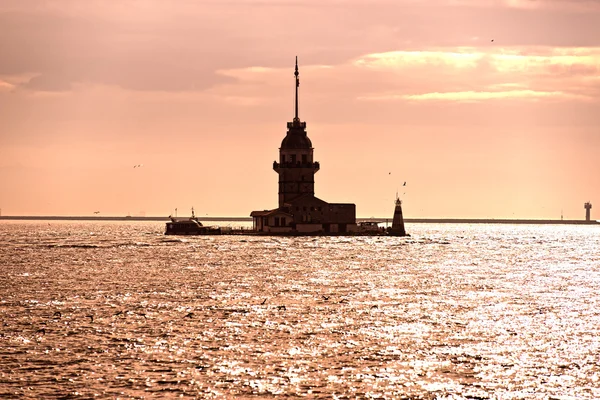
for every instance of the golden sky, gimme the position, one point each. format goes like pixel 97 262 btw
pixel 486 108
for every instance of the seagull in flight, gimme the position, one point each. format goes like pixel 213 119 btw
pixel 138 165
pixel 96 212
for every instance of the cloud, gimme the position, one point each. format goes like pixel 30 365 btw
pixel 575 5
pixel 48 83
pixel 12 82
pixel 400 59
pixel 504 59
pixel 157 45
pixel 6 86
pixel 471 96
pixel 61 49
pixel 580 60
pixel 569 5
pixel 474 74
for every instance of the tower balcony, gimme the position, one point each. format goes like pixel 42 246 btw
pixel 296 124
pixel 315 166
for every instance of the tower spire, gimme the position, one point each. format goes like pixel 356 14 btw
pixel 296 73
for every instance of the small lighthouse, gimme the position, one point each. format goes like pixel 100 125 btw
pixel 588 207
pixel 397 228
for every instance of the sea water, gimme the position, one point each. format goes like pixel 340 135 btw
pixel 456 311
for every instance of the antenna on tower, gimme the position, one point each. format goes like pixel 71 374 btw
pixel 296 73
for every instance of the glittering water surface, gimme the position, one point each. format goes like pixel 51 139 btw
pixel 455 311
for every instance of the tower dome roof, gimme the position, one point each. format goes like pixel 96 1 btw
pixel 296 135
pixel 296 140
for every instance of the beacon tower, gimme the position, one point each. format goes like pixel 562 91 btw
pixel 397 228
pixel 588 207
pixel 299 211
pixel 296 167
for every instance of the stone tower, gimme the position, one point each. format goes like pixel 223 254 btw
pixel 588 207
pixel 296 167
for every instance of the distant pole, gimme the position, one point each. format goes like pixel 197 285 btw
pixel 175 211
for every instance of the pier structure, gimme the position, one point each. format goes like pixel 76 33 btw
pixel 299 210
pixel 588 207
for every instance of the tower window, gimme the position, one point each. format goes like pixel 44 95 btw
pixel 304 159
pixel 293 159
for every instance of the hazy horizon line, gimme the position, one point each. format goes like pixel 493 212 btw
pixel 249 219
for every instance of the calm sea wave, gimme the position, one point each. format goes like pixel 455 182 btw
pixel 117 309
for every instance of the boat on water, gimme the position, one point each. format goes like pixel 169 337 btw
pixel 370 227
pixel 190 226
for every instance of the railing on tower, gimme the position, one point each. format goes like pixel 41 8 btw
pixel 300 124
pixel 298 164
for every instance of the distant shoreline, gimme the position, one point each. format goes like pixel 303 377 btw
pixel 248 219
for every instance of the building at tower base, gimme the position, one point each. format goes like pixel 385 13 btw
pixel 300 211
pixel 307 214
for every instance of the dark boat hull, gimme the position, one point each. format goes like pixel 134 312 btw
pixel 190 227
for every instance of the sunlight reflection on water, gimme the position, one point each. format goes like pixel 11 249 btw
pixel 455 311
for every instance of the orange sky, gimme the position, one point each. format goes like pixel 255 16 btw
pixel 199 92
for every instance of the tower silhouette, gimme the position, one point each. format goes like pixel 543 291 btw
pixel 588 207
pixel 299 211
pixel 397 228
pixel 296 167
